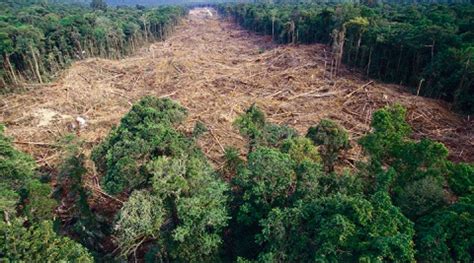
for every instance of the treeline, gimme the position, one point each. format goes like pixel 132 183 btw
pixel 38 41
pixel 292 199
pixel 365 2
pixel 429 48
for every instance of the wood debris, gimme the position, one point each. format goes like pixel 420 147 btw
pixel 217 70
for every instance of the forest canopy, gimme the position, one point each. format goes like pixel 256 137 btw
pixel 284 202
pixel 429 48
pixel 37 41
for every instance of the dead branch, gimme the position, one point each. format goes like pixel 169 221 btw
pixel 37 143
pixel 359 89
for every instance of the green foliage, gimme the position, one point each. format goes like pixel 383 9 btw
pixel 267 182
pixel 338 228
pixel 195 204
pixel 419 167
pixel 178 207
pixel 144 133
pixel 253 125
pixel 15 167
pixel 38 39
pixel 285 210
pixel 344 183
pixel 21 185
pixel 418 175
pixel 271 178
pixel 420 197
pixel 139 219
pixel 199 129
pixel 8 201
pixel 283 206
pixel 233 162
pixel 38 243
pixel 447 235
pixel 332 139
pixel 428 47
pixel 389 131
pixel 301 150
pixel 461 178
pixel 37 202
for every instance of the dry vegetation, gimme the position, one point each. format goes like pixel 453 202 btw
pixel 217 70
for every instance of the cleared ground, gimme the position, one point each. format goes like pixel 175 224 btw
pixel 217 70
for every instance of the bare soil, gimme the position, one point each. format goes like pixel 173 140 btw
pixel 217 70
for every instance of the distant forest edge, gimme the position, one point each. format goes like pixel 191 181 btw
pixel 429 48
pixel 158 2
pixel 37 41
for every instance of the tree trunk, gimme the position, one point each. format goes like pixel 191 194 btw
pixel 145 28
pixel 3 83
pixel 370 61
pixel 432 51
pixel 273 28
pixel 6 217
pixel 161 33
pixel 419 87
pixel 358 47
pixel 461 83
pixel 12 71
pixel 399 59
pixel 338 47
pixel 35 60
pixel 293 29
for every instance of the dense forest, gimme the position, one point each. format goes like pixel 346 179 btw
pixel 146 191
pixel 427 47
pixel 285 202
pixel 38 40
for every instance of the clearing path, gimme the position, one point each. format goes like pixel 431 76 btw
pixel 217 70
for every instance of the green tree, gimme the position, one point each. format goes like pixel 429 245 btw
pixel 37 202
pixel 461 178
pixel 446 235
pixel 38 243
pixel 332 139
pixel 338 228
pixel 6 49
pixel 139 220
pixel 271 177
pixel 177 209
pixel 18 177
pixel 144 133
pixel 255 128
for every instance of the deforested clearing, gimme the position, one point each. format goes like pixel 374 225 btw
pixel 216 70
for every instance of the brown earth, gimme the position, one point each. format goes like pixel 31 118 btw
pixel 217 70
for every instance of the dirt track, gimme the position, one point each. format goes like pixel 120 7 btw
pixel 217 70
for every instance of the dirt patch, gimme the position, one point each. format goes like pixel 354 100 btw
pixel 217 70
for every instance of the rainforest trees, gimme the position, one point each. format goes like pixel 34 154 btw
pixel 426 47
pixel 177 209
pixel 39 40
pixel 281 203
